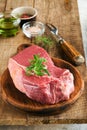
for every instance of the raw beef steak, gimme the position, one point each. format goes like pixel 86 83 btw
pixel 44 89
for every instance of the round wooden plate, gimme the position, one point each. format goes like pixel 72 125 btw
pixel 20 100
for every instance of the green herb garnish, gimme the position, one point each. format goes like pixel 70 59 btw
pixel 45 40
pixel 37 66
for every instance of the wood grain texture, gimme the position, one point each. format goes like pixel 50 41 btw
pixel 2 5
pixel 67 4
pixel 11 4
pixel 69 28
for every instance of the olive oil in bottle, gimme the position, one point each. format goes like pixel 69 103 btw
pixel 9 26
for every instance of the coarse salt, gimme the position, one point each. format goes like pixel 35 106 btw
pixel 33 29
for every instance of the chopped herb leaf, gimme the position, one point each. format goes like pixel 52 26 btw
pixel 37 66
pixel 44 39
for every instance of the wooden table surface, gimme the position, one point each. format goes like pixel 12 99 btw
pixel 66 18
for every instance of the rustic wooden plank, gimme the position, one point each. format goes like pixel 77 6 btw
pixel 69 27
pixel 2 5
pixel 67 21
pixel 8 114
pixel 11 4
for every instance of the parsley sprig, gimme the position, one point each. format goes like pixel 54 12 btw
pixel 44 39
pixel 37 66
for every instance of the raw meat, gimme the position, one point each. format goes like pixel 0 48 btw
pixel 44 89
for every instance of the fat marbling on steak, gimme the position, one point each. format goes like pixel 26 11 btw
pixel 44 89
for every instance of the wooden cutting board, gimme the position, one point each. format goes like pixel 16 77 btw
pixel 13 96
